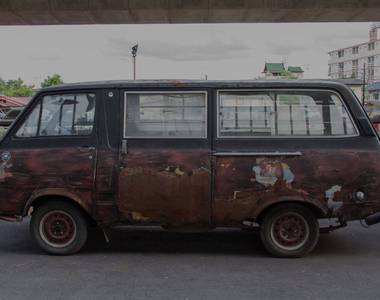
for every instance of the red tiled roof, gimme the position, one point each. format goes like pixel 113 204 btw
pixel 6 101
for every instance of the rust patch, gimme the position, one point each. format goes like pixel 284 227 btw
pixel 169 187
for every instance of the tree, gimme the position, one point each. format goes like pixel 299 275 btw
pixel 15 88
pixel 55 79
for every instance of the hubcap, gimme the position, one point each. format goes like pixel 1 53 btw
pixel 289 231
pixel 57 229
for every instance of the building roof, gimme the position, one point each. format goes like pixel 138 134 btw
pixel 6 101
pixel 295 69
pixel 375 86
pixel 274 68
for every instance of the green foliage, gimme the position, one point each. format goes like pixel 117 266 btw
pixel 15 88
pixel 55 79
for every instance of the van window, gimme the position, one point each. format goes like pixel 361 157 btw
pixel 165 115
pixel 283 113
pixel 30 126
pixel 60 115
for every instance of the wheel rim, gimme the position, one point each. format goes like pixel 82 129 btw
pixel 290 231
pixel 57 229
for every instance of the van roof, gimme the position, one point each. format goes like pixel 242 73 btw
pixel 223 84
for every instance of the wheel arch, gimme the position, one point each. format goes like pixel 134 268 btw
pixel 38 198
pixel 315 207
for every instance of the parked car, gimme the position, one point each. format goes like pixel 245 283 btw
pixel 191 156
pixel 7 117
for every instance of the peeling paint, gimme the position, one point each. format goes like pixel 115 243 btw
pixel 235 194
pixel 268 172
pixel 136 216
pixel 174 170
pixel 330 194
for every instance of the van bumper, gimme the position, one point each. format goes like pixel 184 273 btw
pixel 372 219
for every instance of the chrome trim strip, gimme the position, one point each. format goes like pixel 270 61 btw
pixel 271 153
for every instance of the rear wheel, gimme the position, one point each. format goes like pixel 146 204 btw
pixel 59 228
pixel 289 230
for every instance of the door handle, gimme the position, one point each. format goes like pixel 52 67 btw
pixel 86 149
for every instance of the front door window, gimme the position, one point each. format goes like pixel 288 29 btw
pixel 60 115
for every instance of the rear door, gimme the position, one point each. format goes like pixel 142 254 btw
pixel 165 175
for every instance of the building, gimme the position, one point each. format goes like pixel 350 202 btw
pixel 6 101
pixel 279 71
pixel 356 85
pixel 358 60
pixel 296 71
pixel 374 91
pixel 10 107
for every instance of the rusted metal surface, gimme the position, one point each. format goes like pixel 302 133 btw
pixel 104 197
pixel 29 174
pixel 172 188
pixel 245 186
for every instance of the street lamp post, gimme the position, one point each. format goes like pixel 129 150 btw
pixel 364 83
pixel 134 54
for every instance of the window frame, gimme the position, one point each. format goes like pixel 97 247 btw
pixel 257 137
pixel 38 100
pixel 204 92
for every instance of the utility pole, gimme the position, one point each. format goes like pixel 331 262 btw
pixel 134 54
pixel 363 84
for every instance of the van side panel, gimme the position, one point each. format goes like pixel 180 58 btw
pixel 167 187
pixel 245 186
pixel 27 172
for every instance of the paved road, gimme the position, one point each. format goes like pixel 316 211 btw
pixel 154 264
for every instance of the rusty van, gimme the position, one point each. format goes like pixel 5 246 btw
pixel 278 156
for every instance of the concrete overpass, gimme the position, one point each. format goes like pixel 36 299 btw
pixel 48 12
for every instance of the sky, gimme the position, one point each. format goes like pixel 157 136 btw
pixel 170 51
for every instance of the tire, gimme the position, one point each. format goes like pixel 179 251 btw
pixel 289 230
pixel 59 228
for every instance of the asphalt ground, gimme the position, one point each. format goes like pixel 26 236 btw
pixel 223 264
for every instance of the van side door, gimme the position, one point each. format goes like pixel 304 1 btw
pixel 165 175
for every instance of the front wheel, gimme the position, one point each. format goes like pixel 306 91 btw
pixel 59 228
pixel 289 230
